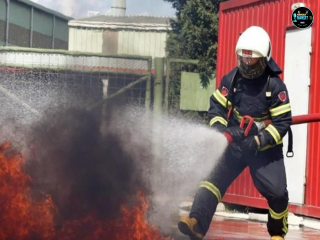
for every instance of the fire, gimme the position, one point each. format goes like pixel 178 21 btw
pixel 22 217
pixel 131 225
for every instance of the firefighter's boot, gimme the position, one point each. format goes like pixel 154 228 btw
pixel 277 238
pixel 189 226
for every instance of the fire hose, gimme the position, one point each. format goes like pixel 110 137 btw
pixel 261 125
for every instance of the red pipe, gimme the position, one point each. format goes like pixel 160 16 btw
pixel 306 118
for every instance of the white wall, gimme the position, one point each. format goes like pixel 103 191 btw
pixel 144 43
pixel 85 40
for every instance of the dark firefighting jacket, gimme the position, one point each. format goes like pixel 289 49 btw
pixel 263 98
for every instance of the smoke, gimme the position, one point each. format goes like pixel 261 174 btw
pixel 84 170
pixel 94 163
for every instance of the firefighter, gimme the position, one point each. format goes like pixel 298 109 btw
pixel 252 88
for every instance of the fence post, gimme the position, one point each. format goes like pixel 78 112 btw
pixel 158 87
pixel 166 93
pixel 148 87
pixel 157 116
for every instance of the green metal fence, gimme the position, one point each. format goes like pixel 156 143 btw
pixel 33 80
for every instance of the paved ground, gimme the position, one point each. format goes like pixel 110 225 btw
pixel 233 229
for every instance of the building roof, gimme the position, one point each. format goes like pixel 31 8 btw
pixel 124 22
pixel 127 19
pixel 44 9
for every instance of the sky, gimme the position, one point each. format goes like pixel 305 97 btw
pixel 79 8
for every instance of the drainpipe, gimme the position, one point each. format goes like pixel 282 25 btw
pixel 31 27
pixel 7 27
pixel 53 30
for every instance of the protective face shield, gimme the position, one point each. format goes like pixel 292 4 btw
pixel 251 68
pixel 253 51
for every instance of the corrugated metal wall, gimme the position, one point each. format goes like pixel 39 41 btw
pixel 85 40
pixel 313 164
pixel 143 43
pixel 275 17
pixel 31 26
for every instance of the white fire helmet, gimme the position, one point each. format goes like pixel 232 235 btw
pixel 253 51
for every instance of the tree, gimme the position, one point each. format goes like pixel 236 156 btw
pixel 195 34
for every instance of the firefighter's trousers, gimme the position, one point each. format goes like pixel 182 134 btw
pixel 268 173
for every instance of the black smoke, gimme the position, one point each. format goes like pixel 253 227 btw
pixel 83 168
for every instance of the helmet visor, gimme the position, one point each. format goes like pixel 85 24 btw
pixel 251 68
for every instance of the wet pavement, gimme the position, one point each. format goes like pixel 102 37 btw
pixel 233 229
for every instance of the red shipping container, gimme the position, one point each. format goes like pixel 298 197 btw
pixel 275 17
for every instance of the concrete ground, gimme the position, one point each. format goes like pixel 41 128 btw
pixel 223 228
pixel 235 229
pixel 238 226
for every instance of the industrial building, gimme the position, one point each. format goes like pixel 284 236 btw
pixel 118 33
pixel 297 51
pixel 24 23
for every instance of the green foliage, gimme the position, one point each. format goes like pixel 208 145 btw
pixel 194 34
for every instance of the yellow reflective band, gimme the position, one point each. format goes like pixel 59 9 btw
pixel 274 133
pixel 221 99
pixel 218 119
pixel 236 113
pixel 269 146
pixel 261 119
pixel 280 110
pixel 239 117
pixel 212 188
pixel 275 215
pixel 285 224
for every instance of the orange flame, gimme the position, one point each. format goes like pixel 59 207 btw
pixel 23 218
pixel 131 225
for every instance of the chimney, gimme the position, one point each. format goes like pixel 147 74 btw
pixel 118 7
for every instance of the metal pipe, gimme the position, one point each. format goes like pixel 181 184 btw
pixel 306 118
pixel 31 27
pixel 8 21
pixel 53 30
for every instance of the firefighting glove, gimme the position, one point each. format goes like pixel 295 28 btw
pixel 251 143
pixel 236 133
pixel 219 127
pixel 254 130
